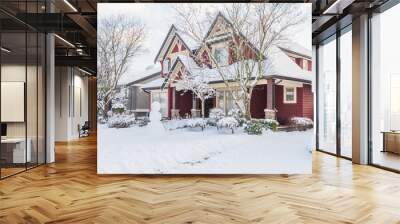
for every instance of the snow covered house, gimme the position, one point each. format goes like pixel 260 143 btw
pixel 285 86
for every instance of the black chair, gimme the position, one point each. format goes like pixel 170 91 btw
pixel 84 130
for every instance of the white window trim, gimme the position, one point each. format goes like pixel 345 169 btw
pixel 224 48
pixel 294 95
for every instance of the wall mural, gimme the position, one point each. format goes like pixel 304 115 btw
pixel 204 88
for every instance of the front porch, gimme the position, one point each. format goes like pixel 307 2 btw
pixel 273 99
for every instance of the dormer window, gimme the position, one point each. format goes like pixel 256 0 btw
pixel 221 55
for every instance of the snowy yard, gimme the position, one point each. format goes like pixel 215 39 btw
pixel 141 150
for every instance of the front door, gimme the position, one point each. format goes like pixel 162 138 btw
pixel 208 105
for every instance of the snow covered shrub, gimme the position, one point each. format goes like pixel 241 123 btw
pixel 235 113
pixel 110 113
pixel 253 127
pixel 301 123
pixel 215 115
pixel 269 124
pixel 101 120
pixel 228 122
pixel 143 122
pixel 118 108
pixel 196 122
pixel 121 121
pixel 175 124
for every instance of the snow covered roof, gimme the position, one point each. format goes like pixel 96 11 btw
pixel 296 48
pixel 278 65
pixel 141 77
pixel 187 61
pixel 155 84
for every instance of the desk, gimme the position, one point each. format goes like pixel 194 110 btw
pixel 391 141
pixel 13 150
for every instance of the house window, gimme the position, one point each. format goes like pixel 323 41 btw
pixel 289 94
pixel 221 55
pixel 166 66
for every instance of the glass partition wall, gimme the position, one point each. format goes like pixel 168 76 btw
pixel 334 94
pixel 385 89
pixel 327 95
pixel 22 77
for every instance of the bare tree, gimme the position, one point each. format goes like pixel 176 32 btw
pixel 119 39
pixel 252 30
pixel 198 85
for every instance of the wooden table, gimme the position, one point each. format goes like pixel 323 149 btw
pixel 391 141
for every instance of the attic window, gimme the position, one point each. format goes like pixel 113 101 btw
pixel 166 65
pixel 221 56
pixel 289 94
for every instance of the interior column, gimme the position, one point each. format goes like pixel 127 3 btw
pixel 360 90
pixel 50 98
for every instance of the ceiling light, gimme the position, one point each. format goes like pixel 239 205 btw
pixel 84 71
pixel 70 5
pixel 5 50
pixel 64 40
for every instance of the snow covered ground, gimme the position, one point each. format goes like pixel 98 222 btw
pixel 141 150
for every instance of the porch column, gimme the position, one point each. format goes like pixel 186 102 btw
pixel 269 111
pixel 270 94
pixel 169 94
pixel 193 101
pixel 173 98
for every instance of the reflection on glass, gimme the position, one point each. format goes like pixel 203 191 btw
pixel 346 94
pixel 31 99
pixel 14 153
pixel 327 96
pixel 386 89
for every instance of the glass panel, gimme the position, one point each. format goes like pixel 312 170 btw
pixel 346 94
pixel 327 96
pixel 13 89
pixel 385 90
pixel 31 98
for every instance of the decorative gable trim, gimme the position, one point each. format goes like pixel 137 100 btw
pixel 172 34
pixel 223 18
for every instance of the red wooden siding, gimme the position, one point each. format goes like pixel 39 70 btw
pixel 288 110
pixel 299 61
pixel 183 102
pixel 308 102
pixel 183 47
pixel 175 49
pixel 303 108
pixel 258 101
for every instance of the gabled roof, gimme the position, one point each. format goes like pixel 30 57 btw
pixel 230 24
pixel 140 77
pixel 168 40
pixel 277 65
pixel 155 84
pixel 295 48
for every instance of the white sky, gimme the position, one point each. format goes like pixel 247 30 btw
pixel 158 18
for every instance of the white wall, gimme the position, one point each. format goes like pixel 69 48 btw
pixel 71 94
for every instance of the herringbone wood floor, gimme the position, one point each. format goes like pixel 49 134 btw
pixel 70 191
